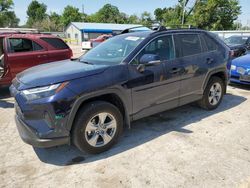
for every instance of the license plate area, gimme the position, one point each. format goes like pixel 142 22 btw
pixel 245 78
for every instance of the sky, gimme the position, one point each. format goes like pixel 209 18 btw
pixel 126 6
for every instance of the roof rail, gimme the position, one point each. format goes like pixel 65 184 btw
pixel 160 28
pixel 129 29
pixel 19 30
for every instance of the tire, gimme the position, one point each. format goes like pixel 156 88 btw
pixel 94 133
pixel 206 102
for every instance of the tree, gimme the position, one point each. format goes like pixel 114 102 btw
pixel 7 17
pixel 107 14
pixel 133 19
pixel 216 14
pixel 71 14
pixel 146 19
pixel 36 13
pixel 170 17
pixel 52 23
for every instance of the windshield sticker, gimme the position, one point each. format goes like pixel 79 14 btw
pixel 132 38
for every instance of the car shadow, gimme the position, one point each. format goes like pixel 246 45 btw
pixel 240 86
pixel 4 98
pixel 142 131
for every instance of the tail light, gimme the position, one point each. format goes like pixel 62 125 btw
pixel 231 53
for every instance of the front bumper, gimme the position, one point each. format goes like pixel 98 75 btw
pixel 237 78
pixel 30 136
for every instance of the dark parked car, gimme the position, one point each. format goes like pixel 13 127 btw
pixel 239 44
pixel 130 76
pixel 21 51
pixel 240 70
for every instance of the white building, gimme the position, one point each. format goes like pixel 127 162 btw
pixel 77 32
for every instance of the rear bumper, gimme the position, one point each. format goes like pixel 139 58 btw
pixel 30 136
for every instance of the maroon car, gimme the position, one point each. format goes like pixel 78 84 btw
pixel 21 51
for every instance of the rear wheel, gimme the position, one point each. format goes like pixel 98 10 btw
pixel 213 94
pixel 97 127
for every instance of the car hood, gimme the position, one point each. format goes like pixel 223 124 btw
pixel 235 46
pixel 243 61
pixel 57 72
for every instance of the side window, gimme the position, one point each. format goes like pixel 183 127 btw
pixel 187 44
pixel 37 47
pixel 210 43
pixel 20 45
pixel 23 45
pixel 161 46
pixel 56 43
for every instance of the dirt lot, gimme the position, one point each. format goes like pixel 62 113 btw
pixel 185 147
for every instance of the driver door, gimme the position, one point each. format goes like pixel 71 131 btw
pixel 154 89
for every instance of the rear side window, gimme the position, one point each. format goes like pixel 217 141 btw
pixel 210 43
pixel 23 45
pixel 56 43
pixel 187 44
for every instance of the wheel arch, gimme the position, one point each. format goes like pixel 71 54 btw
pixel 221 73
pixel 112 96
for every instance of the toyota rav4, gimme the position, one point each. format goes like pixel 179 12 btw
pixel 88 101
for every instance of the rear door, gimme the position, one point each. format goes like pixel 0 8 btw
pixel 57 49
pixel 24 53
pixel 190 54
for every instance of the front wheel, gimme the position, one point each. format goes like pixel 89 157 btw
pixel 213 94
pixel 97 127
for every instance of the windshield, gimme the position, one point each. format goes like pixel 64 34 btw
pixel 114 50
pixel 236 40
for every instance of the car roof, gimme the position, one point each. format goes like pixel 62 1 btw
pixel 27 35
pixel 240 36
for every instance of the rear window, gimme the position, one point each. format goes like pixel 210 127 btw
pixel 56 43
pixel 210 43
pixel 188 44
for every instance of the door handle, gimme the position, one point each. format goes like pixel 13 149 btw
pixel 210 60
pixel 175 70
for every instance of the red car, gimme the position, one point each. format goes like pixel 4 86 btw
pixel 21 51
pixel 87 45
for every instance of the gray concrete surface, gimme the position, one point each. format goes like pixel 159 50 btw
pixel 185 147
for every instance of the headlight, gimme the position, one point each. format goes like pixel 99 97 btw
pixel 42 92
pixel 248 71
pixel 233 67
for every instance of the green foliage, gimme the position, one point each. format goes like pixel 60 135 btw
pixel 71 14
pixel 206 14
pixel 36 13
pixel 216 14
pixel 52 23
pixel 108 14
pixel 146 19
pixel 7 17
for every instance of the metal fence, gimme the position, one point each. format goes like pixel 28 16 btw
pixel 226 34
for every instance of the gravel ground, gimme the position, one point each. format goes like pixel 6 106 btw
pixel 185 147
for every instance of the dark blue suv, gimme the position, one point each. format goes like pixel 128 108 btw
pixel 88 101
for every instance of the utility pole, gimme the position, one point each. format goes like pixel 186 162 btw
pixel 183 12
pixel 83 8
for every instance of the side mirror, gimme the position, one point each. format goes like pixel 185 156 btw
pixel 147 58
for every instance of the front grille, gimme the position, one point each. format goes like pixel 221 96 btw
pixel 235 77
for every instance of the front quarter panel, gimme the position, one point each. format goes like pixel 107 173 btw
pixel 109 82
